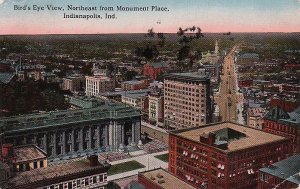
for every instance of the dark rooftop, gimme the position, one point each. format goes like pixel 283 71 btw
pixel 28 153
pixel 288 169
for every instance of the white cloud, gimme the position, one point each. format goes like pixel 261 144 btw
pixel 1 1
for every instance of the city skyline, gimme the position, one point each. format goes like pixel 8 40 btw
pixel 211 16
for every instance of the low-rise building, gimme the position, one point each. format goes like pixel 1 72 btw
pixel 75 174
pixel 152 70
pixel 134 85
pixel 161 179
pixel 284 174
pixel 255 117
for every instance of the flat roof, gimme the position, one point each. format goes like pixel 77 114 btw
pixel 253 137
pixel 285 169
pixel 171 181
pixel 46 174
pixel 188 76
pixel 28 153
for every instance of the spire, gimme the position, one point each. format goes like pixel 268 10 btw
pixel 217 48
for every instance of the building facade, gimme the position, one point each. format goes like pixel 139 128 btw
pixel 74 83
pixel 284 174
pixel 279 122
pixel 223 155
pixel 98 84
pixel 187 101
pixel 78 132
pixel 255 117
pixel 83 174
pixel 152 70
pixel 156 108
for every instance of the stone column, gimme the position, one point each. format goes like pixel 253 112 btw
pixel 122 133
pixel 54 144
pixel 63 146
pixel 72 141
pixel 106 135
pixel 81 139
pixel 98 137
pixel 111 134
pixel 90 138
pixel 45 142
pixel 133 142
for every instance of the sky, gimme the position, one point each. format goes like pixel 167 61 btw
pixel 210 15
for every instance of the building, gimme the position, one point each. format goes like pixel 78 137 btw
pixel 152 70
pixel 75 174
pixel 287 104
pixel 98 84
pixel 255 117
pixel 156 108
pixel 49 77
pixel 134 85
pixel 79 132
pixel 284 174
pixel 223 155
pixel 279 122
pixel 29 157
pixel 74 83
pixel 248 58
pixel 187 100
pixel 135 99
pixel 161 179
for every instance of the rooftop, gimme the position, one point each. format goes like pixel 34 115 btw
pixel 288 169
pixel 159 64
pixel 108 110
pixel 188 76
pixel 6 77
pixel 170 181
pixel 28 153
pixel 249 55
pixel 56 172
pixel 237 136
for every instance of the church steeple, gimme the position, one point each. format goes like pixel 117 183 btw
pixel 217 48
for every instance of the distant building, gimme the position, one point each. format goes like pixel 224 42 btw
pixel 279 122
pixel 284 174
pixel 49 77
pixel 135 99
pixel 152 70
pixel 134 85
pixel 73 83
pixel 76 174
pixel 248 58
pixel 98 84
pixel 223 155
pixel 187 101
pixel 156 108
pixel 255 117
pixel 287 104
pixel 161 179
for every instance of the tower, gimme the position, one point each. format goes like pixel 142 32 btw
pixel 217 48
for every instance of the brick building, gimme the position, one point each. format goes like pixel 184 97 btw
pixel 279 122
pixel 152 70
pixel 284 174
pixel 187 100
pixel 286 104
pixel 134 85
pixel 223 155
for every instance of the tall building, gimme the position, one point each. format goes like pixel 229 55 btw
pixel 98 84
pixel 156 108
pixel 279 122
pixel 284 174
pixel 223 155
pixel 187 100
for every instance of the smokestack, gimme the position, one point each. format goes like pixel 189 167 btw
pixel 93 160
pixel 7 151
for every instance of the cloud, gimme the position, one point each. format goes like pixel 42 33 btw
pixel 1 1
